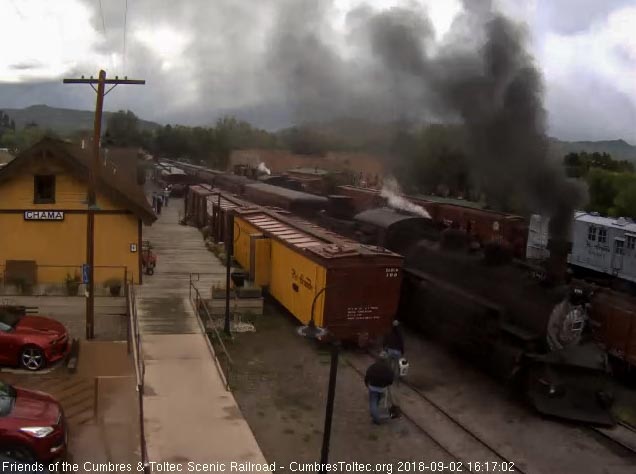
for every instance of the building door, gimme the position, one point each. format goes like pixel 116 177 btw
pixel 617 256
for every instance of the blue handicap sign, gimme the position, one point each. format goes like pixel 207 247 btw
pixel 85 268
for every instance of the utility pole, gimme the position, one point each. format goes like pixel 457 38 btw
pixel 93 171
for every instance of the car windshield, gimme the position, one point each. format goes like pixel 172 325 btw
pixel 8 319
pixel 7 398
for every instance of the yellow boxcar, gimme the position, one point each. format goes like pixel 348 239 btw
pixel 354 289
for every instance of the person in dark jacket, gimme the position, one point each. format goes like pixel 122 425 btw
pixel 394 347
pixel 159 204
pixel 378 379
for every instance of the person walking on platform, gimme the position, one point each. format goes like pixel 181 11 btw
pixel 378 379
pixel 159 203
pixel 394 347
pixel 166 196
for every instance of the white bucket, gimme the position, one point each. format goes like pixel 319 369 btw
pixel 403 365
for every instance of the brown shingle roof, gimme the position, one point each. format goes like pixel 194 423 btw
pixel 117 176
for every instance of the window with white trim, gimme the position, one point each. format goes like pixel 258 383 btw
pixel 591 233
pixel 631 242
pixel 620 247
pixel 602 236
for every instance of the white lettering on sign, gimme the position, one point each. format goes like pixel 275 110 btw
pixel 43 215
pixel 392 272
pixel 362 312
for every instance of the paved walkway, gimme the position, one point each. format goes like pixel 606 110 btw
pixel 188 414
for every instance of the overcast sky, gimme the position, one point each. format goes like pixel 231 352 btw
pixel 202 57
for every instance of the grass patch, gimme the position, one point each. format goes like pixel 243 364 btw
pixel 373 437
pixel 289 431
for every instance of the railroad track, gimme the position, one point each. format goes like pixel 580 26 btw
pixel 453 437
pixel 622 434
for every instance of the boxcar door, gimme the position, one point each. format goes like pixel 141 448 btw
pixel 617 255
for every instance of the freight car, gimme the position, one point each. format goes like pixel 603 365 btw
pixel 480 224
pixel 196 204
pixel 603 249
pixel 299 203
pixel 352 290
pixel 502 319
pixel 362 198
pixel 613 316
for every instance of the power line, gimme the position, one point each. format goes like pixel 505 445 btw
pixel 125 24
pixel 101 12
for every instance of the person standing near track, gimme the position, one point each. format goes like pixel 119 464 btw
pixel 378 379
pixel 394 347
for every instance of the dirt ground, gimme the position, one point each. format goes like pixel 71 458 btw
pixel 280 382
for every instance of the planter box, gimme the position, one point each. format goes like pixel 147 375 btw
pixel 219 293
pixel 249 305
pixel 249 292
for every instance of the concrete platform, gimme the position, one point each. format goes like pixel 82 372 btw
pixel 188 414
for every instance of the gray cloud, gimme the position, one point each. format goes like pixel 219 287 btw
pixel 235 63
pixel 573 16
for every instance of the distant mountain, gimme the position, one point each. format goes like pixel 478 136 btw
pixel 63 121
pixel 619 149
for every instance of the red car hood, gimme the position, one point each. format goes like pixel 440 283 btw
pixel 39 408
pixel 40 325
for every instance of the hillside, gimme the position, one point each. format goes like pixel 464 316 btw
pixel 619 149
pixel 62 121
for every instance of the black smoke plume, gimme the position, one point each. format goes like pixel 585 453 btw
pixel 480 75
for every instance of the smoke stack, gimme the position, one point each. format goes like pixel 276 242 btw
pixel 558 261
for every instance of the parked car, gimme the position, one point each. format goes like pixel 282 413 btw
pixel 31 342
pixel 32 425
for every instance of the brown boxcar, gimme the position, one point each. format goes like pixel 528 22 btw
pixel 218 204
pixel 196 205
pixel 614 317
pixel 350 289
pixel 483 225
pixel 297 202
pixel 362 198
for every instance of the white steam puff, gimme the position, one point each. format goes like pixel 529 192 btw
pixel 264 169
pixel 392 192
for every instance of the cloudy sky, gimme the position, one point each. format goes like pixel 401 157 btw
pixel 201 58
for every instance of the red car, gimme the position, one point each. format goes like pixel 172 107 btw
pixel 31 342
pixel 32 425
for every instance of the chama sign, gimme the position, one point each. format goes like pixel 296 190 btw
pixel 43 215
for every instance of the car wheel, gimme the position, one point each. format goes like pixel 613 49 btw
pixel 32 358
pixel 19 453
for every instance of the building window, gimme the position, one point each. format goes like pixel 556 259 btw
pixel 591 233
pixel 620 247
pixel 602 236
pixel 631 242
pixel 44 189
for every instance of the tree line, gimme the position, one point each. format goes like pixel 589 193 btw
pixel 16 140
pixel 611 183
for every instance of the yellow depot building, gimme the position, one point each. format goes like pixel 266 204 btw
pixel 43 216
